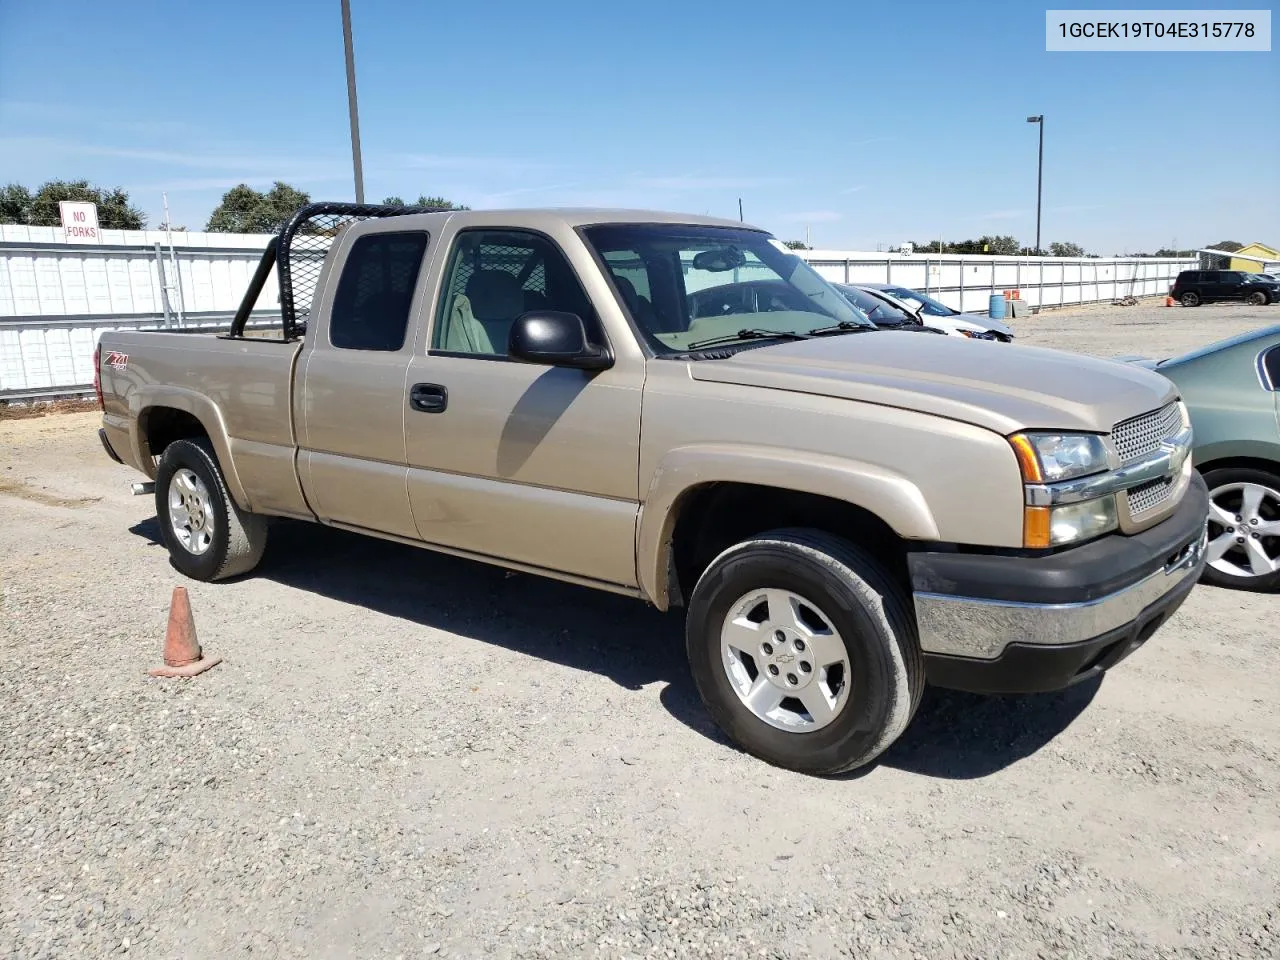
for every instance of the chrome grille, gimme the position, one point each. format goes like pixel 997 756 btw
pixel 1141 435
pixel 1149 496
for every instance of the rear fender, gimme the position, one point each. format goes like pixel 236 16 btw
pixel 203 409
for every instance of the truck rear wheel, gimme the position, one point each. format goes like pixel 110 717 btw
pixel 804 651
pixel 208 536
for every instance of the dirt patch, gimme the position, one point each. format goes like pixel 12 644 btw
pixel 14 488
pixel 30 410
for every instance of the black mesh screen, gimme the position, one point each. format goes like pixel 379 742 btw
pixel 522 262
pixel 304 244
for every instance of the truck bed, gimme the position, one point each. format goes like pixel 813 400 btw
pixel 245 383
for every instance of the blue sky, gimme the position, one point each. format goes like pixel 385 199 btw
pixel 863 123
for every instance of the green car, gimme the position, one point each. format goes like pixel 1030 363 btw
pixel 1232 389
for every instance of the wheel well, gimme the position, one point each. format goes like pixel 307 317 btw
pixel 715 516
pixel 1247 463
pixel 160 426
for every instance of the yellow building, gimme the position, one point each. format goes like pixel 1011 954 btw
pixel 1253 257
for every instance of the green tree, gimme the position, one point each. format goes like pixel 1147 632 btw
pixel 245 210
pixel 796 245
pixel 993 246
pixel 1229 245
pixel 18 205
pixel 15 204
pixel 1066 250
pixel 425 201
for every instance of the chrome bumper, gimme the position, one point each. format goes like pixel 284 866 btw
pixel 982 629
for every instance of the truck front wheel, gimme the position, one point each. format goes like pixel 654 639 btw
pixel 208 536
pixel 804 651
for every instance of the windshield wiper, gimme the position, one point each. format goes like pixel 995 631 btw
pixel 844 326
pixel 750 333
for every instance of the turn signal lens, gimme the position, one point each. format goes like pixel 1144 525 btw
pixel 1028 459
pixel 1035 528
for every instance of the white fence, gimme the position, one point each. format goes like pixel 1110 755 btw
pixel 56 298
pixel 967 282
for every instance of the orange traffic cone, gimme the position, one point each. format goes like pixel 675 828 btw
pixel 1168 301
pixel 182 655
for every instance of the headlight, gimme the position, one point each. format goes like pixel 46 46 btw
pixel 1050 457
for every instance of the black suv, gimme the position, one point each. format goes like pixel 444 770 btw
pixel 1194 287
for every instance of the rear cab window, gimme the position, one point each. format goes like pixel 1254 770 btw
pixel 375 292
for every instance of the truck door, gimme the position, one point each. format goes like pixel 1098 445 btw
pixel 528 463
pixel 351 456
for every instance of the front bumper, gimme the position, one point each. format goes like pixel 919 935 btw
pixel 1001 624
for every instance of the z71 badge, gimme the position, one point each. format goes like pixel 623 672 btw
pixel 116 359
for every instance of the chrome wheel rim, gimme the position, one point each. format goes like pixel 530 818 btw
pixel 785 660
pixel 190 512
pixel 1244 530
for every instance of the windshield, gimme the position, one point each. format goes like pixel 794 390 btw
pixel 915 300
pixel 685 284
pixel 876 309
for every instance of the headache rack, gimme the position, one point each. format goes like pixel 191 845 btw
pixel 298 253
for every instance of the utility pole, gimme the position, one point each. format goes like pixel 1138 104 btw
pixel 1039 176
pixel 351 100
pixel 739 209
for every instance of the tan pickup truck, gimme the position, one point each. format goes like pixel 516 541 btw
pixel 844 512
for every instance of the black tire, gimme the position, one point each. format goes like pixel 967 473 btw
pixel 1224 477
pixel 1190 299
pixel 870 611
pixel 1258 298
pixel 237 538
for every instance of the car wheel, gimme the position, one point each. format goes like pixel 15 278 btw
pixel 1244 529
pixel 1257 298
pixel 1190 299
pixel 207 535
pixel 804 650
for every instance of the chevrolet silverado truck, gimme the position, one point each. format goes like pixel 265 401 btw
pixel 844 513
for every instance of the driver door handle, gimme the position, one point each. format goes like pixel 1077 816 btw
pixel 428 398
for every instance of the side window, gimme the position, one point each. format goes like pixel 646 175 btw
pixel 371 306
pixel 1210 276
pixel 493 276
pixel 1271 365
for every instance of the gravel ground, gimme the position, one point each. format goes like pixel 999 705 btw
pixel 406 755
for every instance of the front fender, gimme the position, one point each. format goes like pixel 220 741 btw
pixel 148 396
pixel 890 496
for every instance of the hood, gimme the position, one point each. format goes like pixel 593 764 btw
pixel 1003 387
pixel 976 321
pixel 1145 362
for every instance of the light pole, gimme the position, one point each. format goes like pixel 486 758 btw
pixel 1039 175
pixel 351 100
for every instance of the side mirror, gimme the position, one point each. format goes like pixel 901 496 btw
pixel 556 339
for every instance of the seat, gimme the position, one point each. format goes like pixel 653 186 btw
pixel 495 299
pixel 464 333
pixel 641 309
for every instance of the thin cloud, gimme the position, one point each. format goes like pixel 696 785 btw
pixel 813 216
pixel 186 184
pixel 707 183
pixel 200 159
pixel 848 190
pixel 500 196
pixel 437 161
